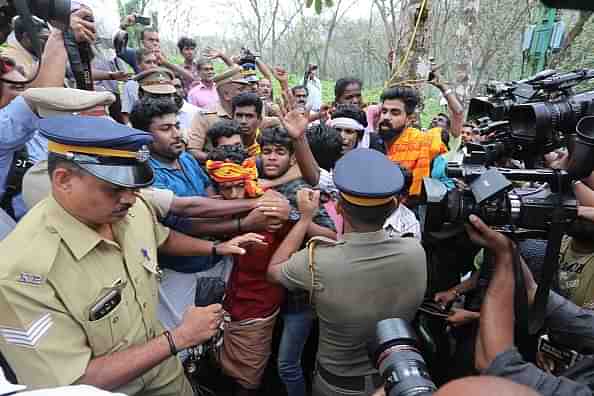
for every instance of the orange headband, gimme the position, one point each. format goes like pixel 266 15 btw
pixel 225 172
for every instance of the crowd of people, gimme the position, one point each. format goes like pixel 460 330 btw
pixel 180 231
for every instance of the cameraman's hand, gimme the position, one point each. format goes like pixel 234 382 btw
pixel 459 317
pixel 83 29
pixel 557 160
pixel 544 362
pixel 199 324
pixel 482 235
pixel 444 298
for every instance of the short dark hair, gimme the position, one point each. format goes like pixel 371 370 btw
pixel 149 107
pixel 297 87
pixel 350 111
pixel 55 161
pixel 342 84
pixel 185 42
pixel 223 128
pixel 147 30
pixel 247 99
pixel 468 125
pixel 142 53
pixel 276 136
pixel 447 117
pixel 367 216
pixel 326 145
pixel 200 63
pixel 231 153
pixel 409 96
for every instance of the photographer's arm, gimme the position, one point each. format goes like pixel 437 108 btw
pixel 52 68
pixel 495 351
pixel 455 108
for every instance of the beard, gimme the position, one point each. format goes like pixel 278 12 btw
pixel 388 132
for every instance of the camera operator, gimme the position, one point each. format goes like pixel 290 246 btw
pixel 18 117
pixel 19 45
pixel 496 353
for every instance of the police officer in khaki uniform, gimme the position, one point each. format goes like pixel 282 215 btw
pixel 356 282
pixel 78 281
pixel 229 84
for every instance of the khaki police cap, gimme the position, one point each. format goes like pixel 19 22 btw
pixel 232 75
pixel 157 81
pixel 51 102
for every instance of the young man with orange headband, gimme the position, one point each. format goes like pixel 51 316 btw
pixel 251 300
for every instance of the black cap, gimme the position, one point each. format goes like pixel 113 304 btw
pixel 107 150
pixel 366 177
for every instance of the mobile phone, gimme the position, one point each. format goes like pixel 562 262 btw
pixel 142 20
pixel 105 304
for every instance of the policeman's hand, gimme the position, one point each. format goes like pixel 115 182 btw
pixel 234 246
pixel 482 235
pixel 296 121
pixel 199 324
pixel 82 25
pixel 444 298
pixel 308 202
pixel 460 317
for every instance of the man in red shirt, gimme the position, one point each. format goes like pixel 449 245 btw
pixel 250 299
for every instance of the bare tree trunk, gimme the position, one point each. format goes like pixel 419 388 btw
pixel 465 34
pixel 415 39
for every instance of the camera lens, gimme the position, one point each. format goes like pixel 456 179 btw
pixel 399 361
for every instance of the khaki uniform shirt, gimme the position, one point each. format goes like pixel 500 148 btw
pixel 198 135
pixel 54 269
pixel 576 275
pixel 359 281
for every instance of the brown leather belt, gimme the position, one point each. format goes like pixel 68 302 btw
pixel 349 383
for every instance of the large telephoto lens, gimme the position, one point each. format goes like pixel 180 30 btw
pixel 399 361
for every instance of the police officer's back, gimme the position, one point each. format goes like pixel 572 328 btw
pixel 362 279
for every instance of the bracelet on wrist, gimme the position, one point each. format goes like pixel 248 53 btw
pixel 172 347
pixel 214 249
pixel 239 225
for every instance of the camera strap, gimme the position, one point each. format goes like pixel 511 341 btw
pixel 551 266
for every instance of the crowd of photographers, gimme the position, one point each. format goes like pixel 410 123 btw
pixel 353 249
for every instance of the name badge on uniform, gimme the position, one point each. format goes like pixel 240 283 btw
pixel 31 279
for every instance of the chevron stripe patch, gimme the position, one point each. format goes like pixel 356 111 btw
pixel 30 337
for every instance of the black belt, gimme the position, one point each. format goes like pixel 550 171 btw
pixel 349 383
